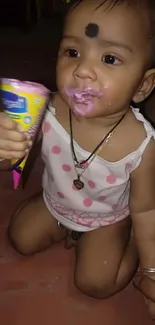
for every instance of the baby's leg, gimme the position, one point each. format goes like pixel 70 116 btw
pixel 106 261
pixel 33 228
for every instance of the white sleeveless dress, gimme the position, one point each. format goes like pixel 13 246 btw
pixel 104 200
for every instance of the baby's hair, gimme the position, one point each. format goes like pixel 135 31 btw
pixel 150 4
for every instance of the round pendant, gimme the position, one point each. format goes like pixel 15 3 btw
pixel 78 184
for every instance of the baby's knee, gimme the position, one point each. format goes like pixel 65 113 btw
pixel 20 240
pixel 94 286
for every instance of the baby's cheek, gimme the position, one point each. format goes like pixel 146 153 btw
pixel 108 94
pixel 66 99
pixel 112 95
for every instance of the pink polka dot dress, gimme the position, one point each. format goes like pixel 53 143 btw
pixel 104 199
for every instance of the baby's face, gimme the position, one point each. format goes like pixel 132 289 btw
pixel 98 74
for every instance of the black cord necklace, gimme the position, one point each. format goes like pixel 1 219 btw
pixel 77 182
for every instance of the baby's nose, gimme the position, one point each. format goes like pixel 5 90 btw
pixel 85 70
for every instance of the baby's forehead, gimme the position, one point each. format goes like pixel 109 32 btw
pixel 92 21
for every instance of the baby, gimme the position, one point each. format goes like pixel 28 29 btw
pixel 98 150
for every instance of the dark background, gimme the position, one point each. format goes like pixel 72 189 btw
pixel 29 39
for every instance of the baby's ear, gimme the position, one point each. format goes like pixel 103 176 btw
pixel 146 87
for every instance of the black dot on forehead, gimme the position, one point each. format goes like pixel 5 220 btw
pixel 92 30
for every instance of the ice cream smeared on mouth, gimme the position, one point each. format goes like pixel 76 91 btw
pixel 84 99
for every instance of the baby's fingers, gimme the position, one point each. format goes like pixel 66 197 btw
pixel 146 286
pixel 151 308
pixel 7 123
pixel 13 135
pixel 12 154
pixel 11 150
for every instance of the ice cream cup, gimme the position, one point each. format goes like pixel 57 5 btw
pixel 25 102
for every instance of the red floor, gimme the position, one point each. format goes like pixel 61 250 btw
pixel 38 290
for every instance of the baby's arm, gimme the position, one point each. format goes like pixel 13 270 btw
pixel 142 207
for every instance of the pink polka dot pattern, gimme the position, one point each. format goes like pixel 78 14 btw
pixel 91 184
pixel 66 168
pixel 111 179
pixel 60 195
pixel 102 198
pixel 87 202
pixel 46 127
pixel 56 150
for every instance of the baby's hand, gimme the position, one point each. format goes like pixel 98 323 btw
pixel 146 285
pixel 14 142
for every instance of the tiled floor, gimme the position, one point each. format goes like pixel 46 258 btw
pixel 39 290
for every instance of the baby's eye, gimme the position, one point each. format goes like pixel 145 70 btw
pixel 110 59
pixel 72 53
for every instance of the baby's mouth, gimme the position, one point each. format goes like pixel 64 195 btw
pixel 84 105
pixel 84 99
